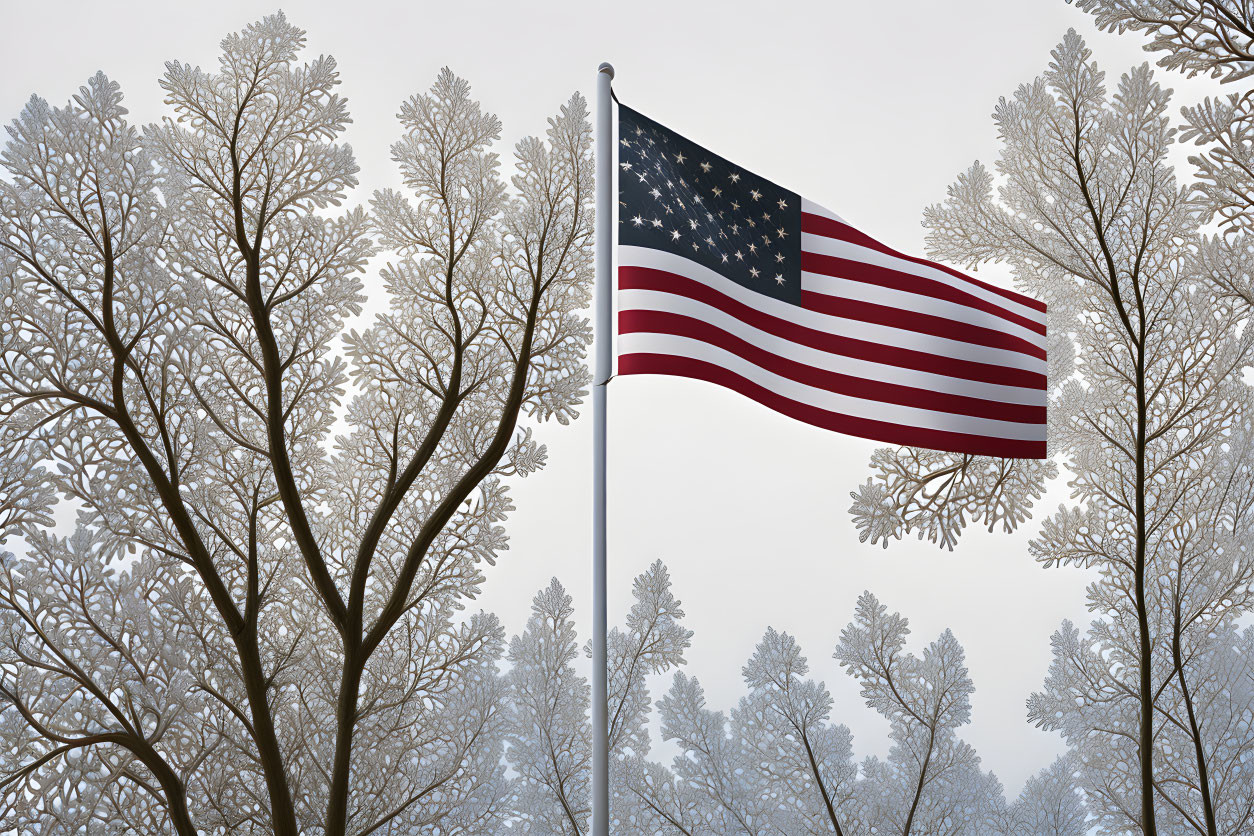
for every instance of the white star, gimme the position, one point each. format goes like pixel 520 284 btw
pixel 656 193
pixel 740 256
pixel 625 142
pixel 753 248
pixel 779 257
pixel 709 240
pixel 779 278
pixel 706 167
pixel 767 239
pixel 781 232
pixel 735 228
pixel 724 258
pixel 766 216
pixel 625 166
pixel 717 191
pixel 692 224
pixel 753 271
pixel 642 177
pixel 638 221
pixel 783 204
pixel 679 158
pixel 735 178
pixel 735 204
pixel 656 223
pixel 694 245
pixel 674 235
pixel 755 194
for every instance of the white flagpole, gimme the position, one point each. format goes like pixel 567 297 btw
pixel 604 360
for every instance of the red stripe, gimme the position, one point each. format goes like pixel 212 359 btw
pixel 819 225
pixel 937 326
pixel 658 322
pixel 861 427
pixel 647 278
pixel 859 271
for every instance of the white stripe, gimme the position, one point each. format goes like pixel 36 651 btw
pixel 854 329
pixel 811 208
pixel 906 416
pixel 822 245
pixel 917 302
pixel 652 300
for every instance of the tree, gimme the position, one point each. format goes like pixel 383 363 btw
pixel 550 736
pixel 549 742
pixel 931 778
pixel 1049 805
pixel 778 765
pixel 1146 406
pixel 1215 39
pixel 172 303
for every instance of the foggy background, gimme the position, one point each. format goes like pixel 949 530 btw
pixel 870 109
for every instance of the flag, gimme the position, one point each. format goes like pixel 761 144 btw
pixel 725 277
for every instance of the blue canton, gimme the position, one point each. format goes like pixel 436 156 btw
pixel 674 195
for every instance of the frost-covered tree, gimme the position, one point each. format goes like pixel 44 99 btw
pixel 778 764
pixel 1208 37
pixel 1148 412
pixel 257 627
pixel 550 736
pixel 930 778
pixel 1049 805
pixel 550 745
pixel 1212 38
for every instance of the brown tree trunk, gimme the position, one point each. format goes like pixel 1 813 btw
pixel 1195 731
pixel 1145 736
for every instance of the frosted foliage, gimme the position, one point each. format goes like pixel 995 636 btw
pixel 1150 414
pixel 933 494
pixel 256 627
pixel 1215 39
pixel 1212 37
pixel 778 763
pixel 550 739
pixel 550 745
pixel 1049 805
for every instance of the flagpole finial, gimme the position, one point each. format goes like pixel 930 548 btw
pixel 607 68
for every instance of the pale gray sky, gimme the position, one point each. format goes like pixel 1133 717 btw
pixel 868 108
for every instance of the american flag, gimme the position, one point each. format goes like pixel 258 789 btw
pixel 725 277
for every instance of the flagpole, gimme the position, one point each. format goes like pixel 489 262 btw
pixel 603 335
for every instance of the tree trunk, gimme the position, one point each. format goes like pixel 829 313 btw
pixel 918 790
pixel 818 780
pixel 341 769
pixel 173 788
pixel 1145 743
pixel 1195 731
pixel 282 809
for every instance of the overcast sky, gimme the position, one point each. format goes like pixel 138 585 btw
pixel 870 109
